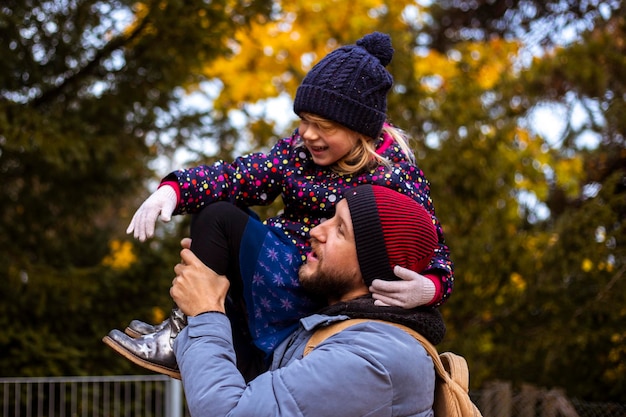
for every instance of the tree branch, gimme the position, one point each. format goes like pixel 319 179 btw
pixel 107 50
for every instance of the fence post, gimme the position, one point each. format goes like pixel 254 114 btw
pixel 526 403
pixel 497 399
pixel 174 405
pixel 556 404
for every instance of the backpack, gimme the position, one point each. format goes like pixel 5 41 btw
pixel 452 374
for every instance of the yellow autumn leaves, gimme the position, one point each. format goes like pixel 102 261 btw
pixel 121 255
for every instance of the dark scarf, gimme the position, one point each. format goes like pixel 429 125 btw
pixel 425 320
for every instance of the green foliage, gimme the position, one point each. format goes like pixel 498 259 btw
pixel 540 300
pixel 55 318
pixel 89 95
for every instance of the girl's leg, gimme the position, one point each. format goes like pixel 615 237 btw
pixel 265 298
pixel 216 234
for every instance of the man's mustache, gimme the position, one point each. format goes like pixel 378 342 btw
pixel 315 245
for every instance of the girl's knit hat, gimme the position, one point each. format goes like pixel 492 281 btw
pixel 389 229
pixel 349 85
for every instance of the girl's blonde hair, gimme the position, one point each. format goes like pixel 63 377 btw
pixel 363 155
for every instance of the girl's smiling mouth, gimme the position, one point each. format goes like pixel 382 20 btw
pixel 317 149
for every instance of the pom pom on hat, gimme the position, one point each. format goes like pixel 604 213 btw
pixel 390 229
pixel 349 85
pixel 378 45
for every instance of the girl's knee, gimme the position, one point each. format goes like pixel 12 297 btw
pixel 221 218
pixel 212 214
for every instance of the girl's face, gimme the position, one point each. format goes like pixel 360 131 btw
pixel 327 142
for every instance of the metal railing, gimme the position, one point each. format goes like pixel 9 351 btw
pixel 92 396
pixel 162 396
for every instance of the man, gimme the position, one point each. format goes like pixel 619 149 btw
pixel 369 369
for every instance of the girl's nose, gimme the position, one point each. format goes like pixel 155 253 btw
pixel 308 132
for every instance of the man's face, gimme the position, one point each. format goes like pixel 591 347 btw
pixel 332 268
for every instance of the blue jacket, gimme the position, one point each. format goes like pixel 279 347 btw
pixel 370 369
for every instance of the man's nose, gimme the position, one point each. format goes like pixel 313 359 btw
pixel 317 232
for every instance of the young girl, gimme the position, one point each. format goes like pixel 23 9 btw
pixel 343 140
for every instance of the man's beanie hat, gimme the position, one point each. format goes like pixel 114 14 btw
pixel 389 229
pixel 349 85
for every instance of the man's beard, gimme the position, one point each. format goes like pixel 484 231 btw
pixel 327 281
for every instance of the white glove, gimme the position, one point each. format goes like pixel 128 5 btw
pixel 413 290
pixel 162 201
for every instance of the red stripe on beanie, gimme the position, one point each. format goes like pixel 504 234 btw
pixel 409 233
pixel 390 229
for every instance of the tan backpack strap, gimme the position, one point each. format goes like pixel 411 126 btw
pixel 323 333
pixel 452 362
pixel 457 368
pixel 452 392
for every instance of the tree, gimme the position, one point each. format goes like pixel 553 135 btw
pixel 547 312
pixel 90 95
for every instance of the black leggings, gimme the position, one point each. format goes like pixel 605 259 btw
pixel 216 234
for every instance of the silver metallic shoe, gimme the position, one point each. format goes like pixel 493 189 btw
pixel 153 351
pixel 138 328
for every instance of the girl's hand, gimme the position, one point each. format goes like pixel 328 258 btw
pixel 411 291
pixel 162 201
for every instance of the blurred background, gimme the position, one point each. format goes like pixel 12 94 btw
pixel 517 110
